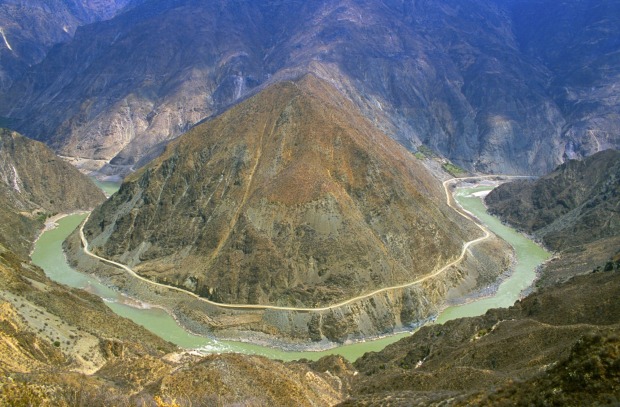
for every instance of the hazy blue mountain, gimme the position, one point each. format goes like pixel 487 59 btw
pixel 579 43
pixel 28 29
pixel 478 81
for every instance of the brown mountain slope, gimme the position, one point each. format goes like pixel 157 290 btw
pixel 49 333
pixel 291 197
pixel 64 347
pixel 558 346
pixel 575 210
pixel 35 183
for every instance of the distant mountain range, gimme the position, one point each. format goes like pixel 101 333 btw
pixel 480 82
pixel 29 29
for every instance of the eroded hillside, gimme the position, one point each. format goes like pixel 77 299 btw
pixel 36 184
pixel 290 198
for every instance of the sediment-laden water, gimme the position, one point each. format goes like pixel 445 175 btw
pixel 48 254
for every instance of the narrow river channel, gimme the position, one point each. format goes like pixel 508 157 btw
pixel 49 256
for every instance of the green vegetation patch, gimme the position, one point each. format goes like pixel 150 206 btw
pixel 453 169
pixel 426 151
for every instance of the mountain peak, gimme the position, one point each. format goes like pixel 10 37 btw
pixel 290 197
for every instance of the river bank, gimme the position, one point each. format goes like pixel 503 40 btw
pixel 508 287
pixel 382 312
pixel 211 326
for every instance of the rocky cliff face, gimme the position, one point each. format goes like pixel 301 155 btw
pixel 28 30
pixel 573 210
pixel 34 184
pixel 291 198
pixel 578 43
pixel 467 80
pixel 574 205
pixel 568 354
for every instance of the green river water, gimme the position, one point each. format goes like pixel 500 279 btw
pixel 48 255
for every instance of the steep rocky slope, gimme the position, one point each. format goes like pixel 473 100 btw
pixel 460 78
pixel 28 30
pixel 35 184
pixel 289 198
pixel 543 350
pixel 559 345
pixel 64 347
pixel 575 210
pixel 578 43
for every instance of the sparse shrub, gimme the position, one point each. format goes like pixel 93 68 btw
pixel 20 395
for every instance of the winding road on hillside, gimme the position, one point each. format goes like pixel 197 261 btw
pixel 449 199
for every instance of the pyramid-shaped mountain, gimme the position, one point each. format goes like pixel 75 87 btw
pixel 292 198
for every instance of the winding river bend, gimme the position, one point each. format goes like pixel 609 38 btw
pixel 48 255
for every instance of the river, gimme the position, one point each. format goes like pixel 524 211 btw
pixel 49 256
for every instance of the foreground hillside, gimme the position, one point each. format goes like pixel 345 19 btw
pixel 541 351
pixel 568 354
pixel 65 347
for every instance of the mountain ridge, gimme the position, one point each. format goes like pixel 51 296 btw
pixel 460 83
pixel 295 202
pixel 36 184
pixel 295 175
